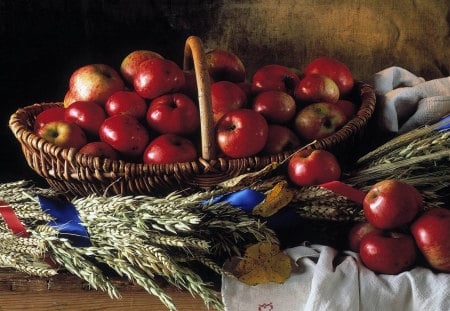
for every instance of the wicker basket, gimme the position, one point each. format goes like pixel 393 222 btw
pixel 80 174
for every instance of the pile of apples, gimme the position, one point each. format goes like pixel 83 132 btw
pixel 397 233
pixel 148 110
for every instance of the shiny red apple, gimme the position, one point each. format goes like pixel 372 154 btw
pixel 131 62
pixel 99 149
pixel 170 148
pixel 226 96
pixel 348 107
pixel 63 134
pixel 173 113
pixel 391 203
pixel 431 231
pixel 315 88
pixel 279 139
pixel 358 231
pixel 388 253
pixel 310 167
pixel 48 115
pixel 242 133
pixel 225 66
pixel 86 114
pixel 274 77
pixel 128 102
pixel 276 106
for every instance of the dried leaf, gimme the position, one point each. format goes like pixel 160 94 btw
pixel 277 198
pixel 244 180
pixel 262 263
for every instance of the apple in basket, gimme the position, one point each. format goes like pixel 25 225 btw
pixel 131 62
pixel 170 148
pixel 280 138
pixel 348 107
pixel 128 102
pixel 316 88
pixel 310 167
pixel 87 115
pixel 276 106
pixel 242 133
pixel 358 231
pixel 156 77
pixel 93 82
pixel 388 252
pixel 125 134
pixel 48 115
pixel 275 77
pixel 173 113
pixel 63 134
pixel 225 65
pixel 319 120
pixel 99 149
pixel 431 231
pixel 334 69
pixel 226 96
pixel 391 203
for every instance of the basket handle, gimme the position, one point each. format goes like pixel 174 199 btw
pixel 194 53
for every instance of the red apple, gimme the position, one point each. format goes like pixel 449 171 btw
pixel 226 96
pixel 279 139
pixel 99 149
pixel 48 115
pixel 431 232
pixel 388 253
pixel 128 102
pixel 316 88
pixel 318 120
pixel 225 65
pixel 310 167
pixel 94 82
pixel 358 231
pixel 242 133
pixel 131 62
pixel 156 77
pixel 173 113
pixel 391 203
pixel 170 148
pixel 274 78
pixel 334 69
pixel 125 134
pixel 348 107
pixel 87 115
pixel 190 84
pixel 63 134
pixel 276 106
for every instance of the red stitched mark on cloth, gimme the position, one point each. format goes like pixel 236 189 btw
pixel 265 307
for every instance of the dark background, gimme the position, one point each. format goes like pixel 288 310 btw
pixel 43 42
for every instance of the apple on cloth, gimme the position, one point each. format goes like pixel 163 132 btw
pixel 326 279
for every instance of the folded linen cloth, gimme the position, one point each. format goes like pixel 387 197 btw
pixel 328 280
pixel 406 101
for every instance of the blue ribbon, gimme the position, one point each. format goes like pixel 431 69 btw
pixel 445 126
pixel 66 220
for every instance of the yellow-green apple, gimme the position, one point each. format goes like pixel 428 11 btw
pixel 276 106
pixel 333 69
pixel 318 120
pixel 125 134
pixel 225 65
pixel 99 149
pixel 388 252
pixel 431 231
pixel 348 107
pixel 310 167
pixel 87 115
pixel 391 203
pixel 358 231
pixel 242 133
pixel 226 96
pixel 170 148
pixel 314 88
pixel 156 77
pixel 280 138
pixel 274 77
pixel 131 62
pixel 173 113
pixel 48 115
pixel 128 102
pixel 63 134
pixel 93 82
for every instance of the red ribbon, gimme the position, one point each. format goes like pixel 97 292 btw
pixel 345 190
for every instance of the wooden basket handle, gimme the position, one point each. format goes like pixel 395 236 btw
pixel 195 53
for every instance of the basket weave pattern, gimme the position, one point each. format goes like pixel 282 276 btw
pixel 81 175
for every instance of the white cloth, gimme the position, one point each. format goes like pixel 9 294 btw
pixel 332 281
pixel 406 101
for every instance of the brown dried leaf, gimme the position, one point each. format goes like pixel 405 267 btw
pixel 280 196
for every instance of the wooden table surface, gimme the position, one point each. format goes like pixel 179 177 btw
pixel 20 291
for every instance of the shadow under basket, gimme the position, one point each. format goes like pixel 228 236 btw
pixel 78 174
